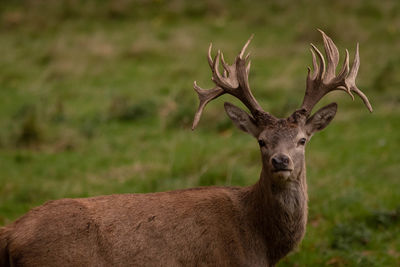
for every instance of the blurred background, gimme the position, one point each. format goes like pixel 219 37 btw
pixel 96 98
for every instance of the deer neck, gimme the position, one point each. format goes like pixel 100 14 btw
pixel 278 212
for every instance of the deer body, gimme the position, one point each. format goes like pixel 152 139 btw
pixel 209 226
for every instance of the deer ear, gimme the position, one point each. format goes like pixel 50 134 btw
pixel 242 120
pixel 321 118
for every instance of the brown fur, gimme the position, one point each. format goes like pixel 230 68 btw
pixel 212 226
pixel 4 256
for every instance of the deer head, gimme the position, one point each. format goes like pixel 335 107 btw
pixel 282 141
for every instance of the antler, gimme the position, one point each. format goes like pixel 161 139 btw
pixel 233 81
pixel 324 80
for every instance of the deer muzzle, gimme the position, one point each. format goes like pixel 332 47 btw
pixel 282 165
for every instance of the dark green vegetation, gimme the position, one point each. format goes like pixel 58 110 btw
pixel 97 98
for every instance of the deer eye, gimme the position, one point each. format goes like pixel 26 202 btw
pixel 261 143
pixel 302 141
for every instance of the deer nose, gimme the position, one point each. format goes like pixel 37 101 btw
pixel 280 162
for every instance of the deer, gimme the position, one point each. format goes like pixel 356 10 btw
pixel 257 225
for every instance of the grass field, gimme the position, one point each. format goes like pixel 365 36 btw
pixel 96 98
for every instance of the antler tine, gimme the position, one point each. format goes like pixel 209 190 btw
pixel 205 96
pixel 324 80
pixel 245 47
pixel 209 58
pixel 321 69
pixel 332 55
pixel 233 81
pixel 351 80
pixel 315 65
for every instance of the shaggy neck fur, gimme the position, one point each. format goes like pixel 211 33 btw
pixel 281 217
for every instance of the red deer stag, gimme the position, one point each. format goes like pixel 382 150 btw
pixel 209 226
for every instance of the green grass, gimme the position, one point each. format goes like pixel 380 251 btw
pixel 97 98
